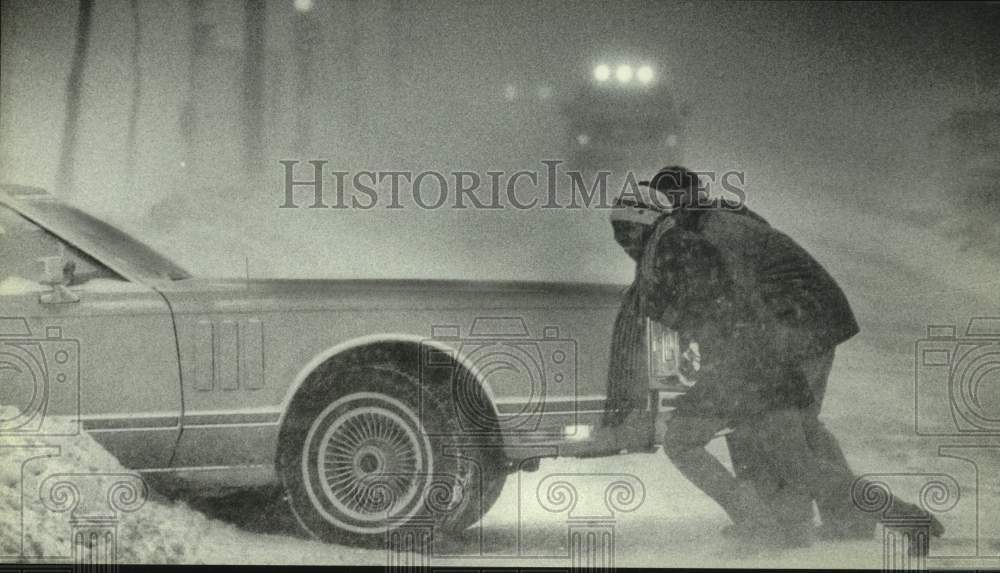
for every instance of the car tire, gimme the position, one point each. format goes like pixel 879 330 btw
pixel 489 482
pixel 377 454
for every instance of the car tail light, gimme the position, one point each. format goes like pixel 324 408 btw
pixel 665 372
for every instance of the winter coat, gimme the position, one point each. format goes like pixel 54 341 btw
pixel 810 312
pixel 692 290
pixel 783 307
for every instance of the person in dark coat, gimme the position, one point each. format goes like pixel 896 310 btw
pixel 775 291
pixel 681 280
pixel 812 316
pixel 740 386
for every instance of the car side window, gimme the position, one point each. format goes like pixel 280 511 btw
pixel 23 244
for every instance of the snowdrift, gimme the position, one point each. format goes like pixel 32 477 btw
pixel 65 498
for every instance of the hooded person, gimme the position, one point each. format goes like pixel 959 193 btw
pixel 635 218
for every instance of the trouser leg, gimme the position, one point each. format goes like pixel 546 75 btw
pixel 745 458
pixel 782 434
pixel 684 443
pixel 821 441
pixel 750 463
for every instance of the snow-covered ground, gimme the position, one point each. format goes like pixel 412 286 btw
pixel 869 407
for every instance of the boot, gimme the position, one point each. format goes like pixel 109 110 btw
pixel 845 530
pixel 746 507
pixel 845 523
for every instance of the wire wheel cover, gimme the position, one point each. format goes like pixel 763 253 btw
pixel 370 459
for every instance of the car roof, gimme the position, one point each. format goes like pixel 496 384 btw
pixel 24 192
pixel 20 197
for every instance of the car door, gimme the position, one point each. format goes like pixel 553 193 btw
pixel 108 359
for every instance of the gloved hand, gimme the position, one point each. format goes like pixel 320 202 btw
pixel 689 363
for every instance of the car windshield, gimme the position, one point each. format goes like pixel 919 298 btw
pixel 112 241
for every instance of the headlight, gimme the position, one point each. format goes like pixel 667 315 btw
pixel 623 73
pixel 602 73
pixel 644 74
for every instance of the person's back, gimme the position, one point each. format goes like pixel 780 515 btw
pixel 774 271
pixel 708 293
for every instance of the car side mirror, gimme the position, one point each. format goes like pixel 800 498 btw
pixel 57 274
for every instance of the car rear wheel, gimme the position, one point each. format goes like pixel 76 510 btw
pixel 481 497
pixel 378 455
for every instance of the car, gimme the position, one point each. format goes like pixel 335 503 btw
pixel 371 402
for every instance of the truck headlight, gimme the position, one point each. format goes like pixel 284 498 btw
pixel 623 73
pixel 644 74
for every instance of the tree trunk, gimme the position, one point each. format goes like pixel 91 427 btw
pixel 253 89
pixel 199 38
pixel 131 143
pixel 74 88
pixel 304 43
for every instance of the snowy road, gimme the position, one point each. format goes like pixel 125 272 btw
pixel 675 525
